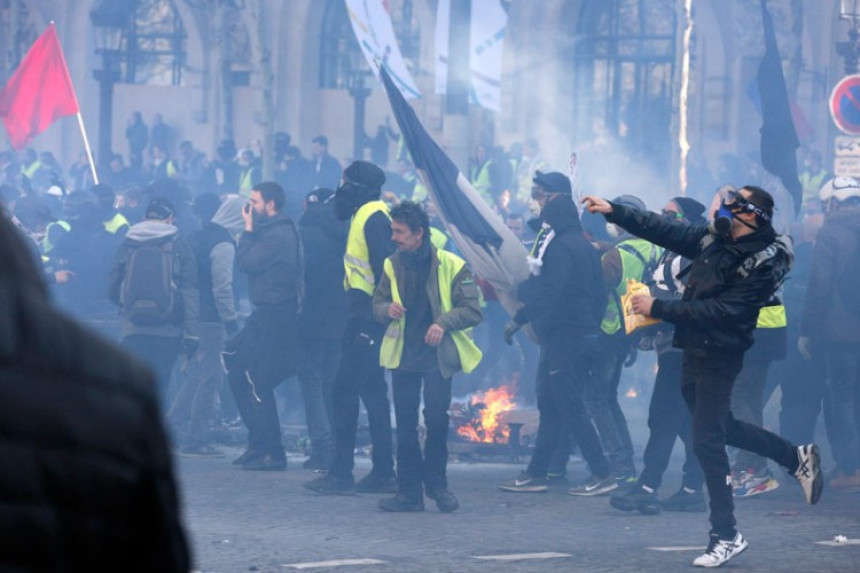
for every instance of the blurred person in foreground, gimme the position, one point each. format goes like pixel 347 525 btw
pixel 86 479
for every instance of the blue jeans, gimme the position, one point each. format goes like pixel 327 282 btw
pixel 317 366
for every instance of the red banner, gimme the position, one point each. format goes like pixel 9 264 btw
pixel 39 92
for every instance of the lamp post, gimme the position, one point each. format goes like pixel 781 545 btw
pixel 110 20
pixel 357 83
pixel 850 50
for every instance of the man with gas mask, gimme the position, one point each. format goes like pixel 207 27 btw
pixel 737 264
pixel 360 374
pixel 563 299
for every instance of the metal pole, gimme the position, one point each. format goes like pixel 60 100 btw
pixel 359 94
pixel 106 79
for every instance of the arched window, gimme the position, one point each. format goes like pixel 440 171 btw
pixel 155 48
pixel 624 65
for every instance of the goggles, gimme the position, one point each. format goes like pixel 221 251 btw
pixel 734 200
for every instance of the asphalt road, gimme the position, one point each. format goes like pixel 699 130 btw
pixel 249 521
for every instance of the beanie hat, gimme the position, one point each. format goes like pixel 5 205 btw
pixel 630 201
pixel 159 209
pixel 365 173
pixel 553 182
pixel 690 208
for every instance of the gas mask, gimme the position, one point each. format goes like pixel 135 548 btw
pixel 614 230
pixel 722 223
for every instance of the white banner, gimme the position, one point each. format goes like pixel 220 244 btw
pixel 375 34
pixel 486 37
pixel 443 31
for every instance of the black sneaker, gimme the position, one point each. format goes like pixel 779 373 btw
pixel 636 498
pixel 400 503
pixel 595 486
pixel 330 485
pixel 201 451
pixel 267 463
pixel 373 483
pixel 685 500
pixel 445 500
pixel 525 483
pixel 247 456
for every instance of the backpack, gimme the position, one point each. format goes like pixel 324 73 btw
pixel 149 295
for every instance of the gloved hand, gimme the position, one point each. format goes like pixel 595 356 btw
pixel 511 329
pixel 189 345
pixel 631 357
pixel 804 345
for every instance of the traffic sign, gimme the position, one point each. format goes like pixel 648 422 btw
pixel 845 104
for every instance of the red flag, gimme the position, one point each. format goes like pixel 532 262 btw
pixel 39 92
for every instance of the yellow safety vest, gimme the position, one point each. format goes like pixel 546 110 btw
pixel 47 245
pixel 438 238
pixel 31 169
pixel 358 273
pixel 245 182
pixel 115 223
pixel 631 268
pixel 392 344
pixel 772 317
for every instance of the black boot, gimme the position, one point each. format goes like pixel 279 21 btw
pixel 401 503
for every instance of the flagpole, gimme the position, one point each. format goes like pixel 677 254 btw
pixel 87 147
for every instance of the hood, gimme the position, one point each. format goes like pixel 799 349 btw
pixel 322 216
pixel 229 215
pixel 150 231
pixel 561 214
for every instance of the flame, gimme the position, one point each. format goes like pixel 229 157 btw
pixel 486 426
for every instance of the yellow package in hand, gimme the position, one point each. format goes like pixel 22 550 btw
pixel 633 321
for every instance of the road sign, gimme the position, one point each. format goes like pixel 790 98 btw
pixel 846 167
pixel 845 105
pixel 846 146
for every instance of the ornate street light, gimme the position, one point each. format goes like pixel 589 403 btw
pixel 850 50
pixel 110 21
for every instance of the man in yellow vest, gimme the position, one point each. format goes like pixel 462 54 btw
pixel 359 375
pixel 429 301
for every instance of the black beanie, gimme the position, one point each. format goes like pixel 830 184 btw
pixel 690 208
pixel 365 173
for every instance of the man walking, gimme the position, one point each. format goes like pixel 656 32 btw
pixel 735 270
pixel 428 298
pixel 263 354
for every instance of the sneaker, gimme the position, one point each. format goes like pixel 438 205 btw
pixel 526 483
pixel 626 480
pixel 752 483
pixel 316 463
pixel 595 486
pixel 445 500
pixel 373 483
pixel 400 503
pixel 247 456
pixel 809 472
pixel 201 451
pixel 330 485
pixel 637 498
pixel 685 499
pixel 721 550
pixel 267 463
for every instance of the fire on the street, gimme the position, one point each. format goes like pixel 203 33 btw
pixel 486 424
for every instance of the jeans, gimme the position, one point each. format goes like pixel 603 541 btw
pixel 198 396
pixel 318 360
pixel 669 419
pixel 748 405
pixel 413 469
pixel 359 375
pixel 157 352
pixel 706 383
pixel 563 371
pixel 843 386
pixel 601 397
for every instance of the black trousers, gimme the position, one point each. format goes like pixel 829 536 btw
pixel 359 375
pixel 413 467
pixel 563 372
pixel 669 419
pixel 706 383
pixel 159 353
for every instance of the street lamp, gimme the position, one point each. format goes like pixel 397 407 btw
pixel 850 50
pixel 357 84
pixel 110 20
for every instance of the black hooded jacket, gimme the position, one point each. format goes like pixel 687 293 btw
pixel 568 297
pixel 727 283
pixel 271 257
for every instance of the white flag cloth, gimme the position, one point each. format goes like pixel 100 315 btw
pixel 372 26
pixel 486 38
pixel 443 31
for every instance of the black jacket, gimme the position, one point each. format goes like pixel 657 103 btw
pixel 324 240
pixel 825 314
pixel 727 283
pixel 568 297
pixel 86 479
pixel 271 257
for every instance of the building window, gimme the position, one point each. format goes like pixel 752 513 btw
pixel 624 62
pixel 155 49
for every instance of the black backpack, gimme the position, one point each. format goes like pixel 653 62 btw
pixel 149 294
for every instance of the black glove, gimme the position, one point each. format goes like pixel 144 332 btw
pixel 190 344
pixel 631 357
pixel 511 328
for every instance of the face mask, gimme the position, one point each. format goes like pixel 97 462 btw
pixel 613 230
pixel 344 202
pixel 722 223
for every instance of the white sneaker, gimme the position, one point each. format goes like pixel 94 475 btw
pixel 721 550
pixel 809 472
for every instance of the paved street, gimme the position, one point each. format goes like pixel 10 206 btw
pixel 247 521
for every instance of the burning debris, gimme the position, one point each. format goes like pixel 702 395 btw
pixel 482 418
